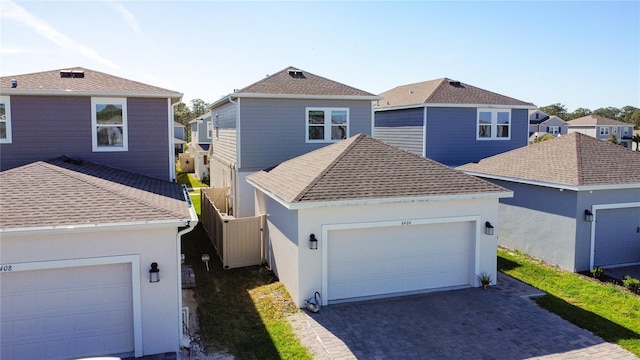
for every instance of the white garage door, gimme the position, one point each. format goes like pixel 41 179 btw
pixel 66 313
pixel 399 259
pixel 617 240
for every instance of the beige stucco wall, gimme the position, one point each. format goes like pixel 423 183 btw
pixel 159 302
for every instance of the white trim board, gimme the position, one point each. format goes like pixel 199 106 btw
pixel 325 229
pixel 134 260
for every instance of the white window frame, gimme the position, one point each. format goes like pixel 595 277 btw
pixel 603 130
pixel 554 130
pixel 209 128
pixel 615 130
pixel 94 124
pixel 327 125
pixel 625 130
pixel 494 124
pixel 6 100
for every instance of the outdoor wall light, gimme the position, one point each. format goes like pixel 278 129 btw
pixel 154 273
pixel 313 242
pixel 588 215
pixel 488 228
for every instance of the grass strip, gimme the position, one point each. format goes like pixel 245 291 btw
pixel 609 311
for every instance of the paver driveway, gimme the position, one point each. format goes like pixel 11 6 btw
pixel 498 323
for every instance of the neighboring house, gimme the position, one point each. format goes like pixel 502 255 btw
pixel 201 132
pixel 78 241
pixel 451 122
pixel 554 126
pixel 386 222
pixel 277 118
pixel 602 128
pixel 536 116
pixel 90 115
pixel 178 138
pixel 580 210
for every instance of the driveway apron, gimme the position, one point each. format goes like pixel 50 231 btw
pixel 498 323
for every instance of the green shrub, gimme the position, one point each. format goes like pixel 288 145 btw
pixel 632 284
pixel 597 272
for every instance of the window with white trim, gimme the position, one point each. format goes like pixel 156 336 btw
pixel 209 128
pixel 494 124
pixel 5 120
pixel 327 124
pixel 615 129
pixel 109 124
pixel 625 131
pixel 604 130
pixel 553 130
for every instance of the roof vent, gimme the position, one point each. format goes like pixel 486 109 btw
pixel 14 83
pixel 455 83
pixel 72 74
pixel 295 73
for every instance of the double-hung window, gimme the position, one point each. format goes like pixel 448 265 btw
pixel 494 124
pixel 604 130
pixel 209 127
pixel 327 124
pixel 553 130
pixel 109 124
pixel 5 120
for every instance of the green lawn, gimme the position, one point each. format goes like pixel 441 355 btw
pixel 607 310
pixel 241 311
pixel 190 180
pixel 195 200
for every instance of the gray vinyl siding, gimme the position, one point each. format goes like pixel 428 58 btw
pixel 405 137
pixel 224 139
pixel 539 221
pixel 273 130
pixel 44 127
pixel 202 131
pixel 451 136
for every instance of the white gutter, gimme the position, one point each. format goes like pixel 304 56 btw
pixel 190 226
pixel 292 96
pixel 486 106
pixel 552 184
pixel 131 94
pixel 380 201
pixel 95 227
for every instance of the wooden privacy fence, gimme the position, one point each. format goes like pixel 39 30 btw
pixel 238 241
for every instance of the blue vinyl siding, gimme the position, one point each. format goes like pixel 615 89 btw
pixel 46 127
pixel 398 118
pixel 273 130
pixel 451 136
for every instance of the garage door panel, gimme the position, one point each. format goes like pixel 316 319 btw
pixel 79 316
pixel 377 261
pixel 616 238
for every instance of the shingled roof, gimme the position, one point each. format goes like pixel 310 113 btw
pixel 79 81
pixel 444 91
pixel 596 120
pixel 364 168
pixel 64 192
pixel 574 160
pixel 292 82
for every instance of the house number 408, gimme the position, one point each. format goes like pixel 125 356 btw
pixel 405 222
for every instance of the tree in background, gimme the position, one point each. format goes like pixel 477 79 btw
pixel 613 138
pixel 578 113
pixel 183 114
pixel 608 112
pixel 556 109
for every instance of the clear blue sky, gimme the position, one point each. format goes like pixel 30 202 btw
pixel 579 53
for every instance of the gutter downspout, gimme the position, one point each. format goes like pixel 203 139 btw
pixel 190 226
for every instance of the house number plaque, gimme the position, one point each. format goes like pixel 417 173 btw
pixel 6 268
pixel 405 222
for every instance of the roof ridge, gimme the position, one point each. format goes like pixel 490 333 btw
pixel 323 173
pixel 264 79
pixel 442 81
pixel 74 174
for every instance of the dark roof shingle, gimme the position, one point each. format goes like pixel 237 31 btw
pixel 575 160
pixel 361 168
pixel 59 192
pixel 444 91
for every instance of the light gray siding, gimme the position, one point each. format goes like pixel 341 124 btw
pixel 44 127
pixel 224 139
pixel 405 137
pixel 273 130
pixel 539 221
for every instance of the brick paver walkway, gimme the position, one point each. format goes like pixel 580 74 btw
pixel 498 323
